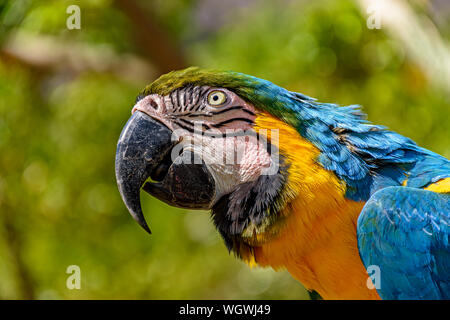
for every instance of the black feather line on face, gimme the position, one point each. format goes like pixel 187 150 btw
pixel 195 94
pixel 194 115
pixel 234 108
pixel 174 106
pixel 190 91
pixel 221 124
pixel 185 105
pixel 182 126
pixel 201 98
pixel 204 125
pixel 250 202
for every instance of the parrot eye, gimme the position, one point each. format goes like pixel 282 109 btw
pixel 217 98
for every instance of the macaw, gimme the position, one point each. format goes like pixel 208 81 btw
pixel 351 209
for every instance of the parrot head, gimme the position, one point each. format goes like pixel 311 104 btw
pixel 221 141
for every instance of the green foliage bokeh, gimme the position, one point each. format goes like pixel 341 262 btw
pixel 59 202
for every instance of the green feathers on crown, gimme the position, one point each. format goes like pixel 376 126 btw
pixel 263 94
pixel 239 83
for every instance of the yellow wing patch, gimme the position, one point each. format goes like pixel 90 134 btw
pixel 442 186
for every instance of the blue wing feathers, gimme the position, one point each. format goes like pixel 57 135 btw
pixel 405 231
pixel 402 228
pixel 367 157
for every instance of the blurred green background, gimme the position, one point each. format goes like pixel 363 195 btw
pixel 66 94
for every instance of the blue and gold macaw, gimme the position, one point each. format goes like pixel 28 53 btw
pixel 351 209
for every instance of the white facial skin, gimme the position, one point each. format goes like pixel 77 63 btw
pixel 216 125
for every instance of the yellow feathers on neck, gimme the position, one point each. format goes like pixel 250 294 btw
pixel 316 241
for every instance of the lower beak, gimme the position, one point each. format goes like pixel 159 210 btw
pixel 144 150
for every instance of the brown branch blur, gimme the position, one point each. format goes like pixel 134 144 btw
pixel 14 246
pixel 151 38
pixel 49 54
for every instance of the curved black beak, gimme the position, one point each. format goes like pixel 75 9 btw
pixel 142 145
pixel 144 150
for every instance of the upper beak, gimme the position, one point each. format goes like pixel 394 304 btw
pixel 142 144
pixel 144 150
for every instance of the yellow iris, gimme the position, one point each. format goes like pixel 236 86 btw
pixel 216 98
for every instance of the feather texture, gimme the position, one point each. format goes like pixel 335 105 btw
pixel 405 231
